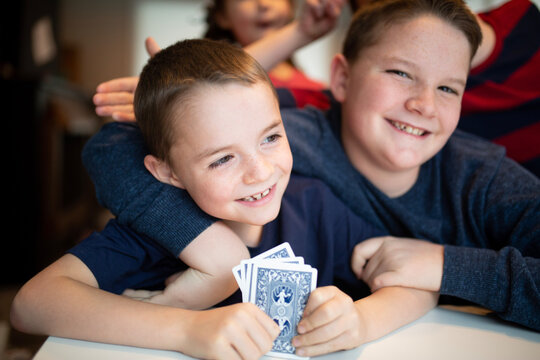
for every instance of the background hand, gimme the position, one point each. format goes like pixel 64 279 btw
pixel 152 47
pixel 318 17
pixel 115 97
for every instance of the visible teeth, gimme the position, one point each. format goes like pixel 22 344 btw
pixel 257 196
pixel 408 129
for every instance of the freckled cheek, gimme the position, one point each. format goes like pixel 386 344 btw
pixel 288 161
pixel 451 117
pixel 379 97
pixel 215 192
pixel 284 159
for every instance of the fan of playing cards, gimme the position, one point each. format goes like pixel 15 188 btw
pixel 279 283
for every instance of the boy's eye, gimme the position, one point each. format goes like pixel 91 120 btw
pixel 271 139
pixel 221 161
pixel 447 89
pixel 398 73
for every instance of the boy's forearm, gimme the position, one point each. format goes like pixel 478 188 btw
pixel 390 308
pixel 278 46
pixel 209 278
pixel 58 305
pixel 196 290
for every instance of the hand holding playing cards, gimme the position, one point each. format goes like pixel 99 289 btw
pixel 330 323
pixel 390 261
pixel 240 331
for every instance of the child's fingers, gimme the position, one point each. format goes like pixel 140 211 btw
pixel 331 346
pixel 269 326
pixel 128 84
pixel 316 7
pixel 385 279
pixel 318 297
pixel 118 112
pixel 261 331
pixel 152 47
pixel 334 7
pixel 123 116
pixel 321 334
pixel 113 98
pixel 250 344
pixel 324 305
pixel 363 252
pixel 372 269
pixel 336 332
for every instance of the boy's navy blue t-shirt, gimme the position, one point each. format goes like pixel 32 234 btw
pixel 312 219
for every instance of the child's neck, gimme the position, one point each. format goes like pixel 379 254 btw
pixel 392 183
pixel 249 234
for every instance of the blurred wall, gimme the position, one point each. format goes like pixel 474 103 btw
pixel 108 36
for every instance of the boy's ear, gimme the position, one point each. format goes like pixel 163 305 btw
pixel 161 171
pixel 339 77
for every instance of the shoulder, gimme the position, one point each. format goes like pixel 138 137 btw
pixel 471 149
pixel 311 124
pixel 118 131
pixel 305 194
pixel 468 159
pixel 313 198
pixel 120 242
pixel 303 186
pixel 113 134
pixel 113 234
pixel 112 140
pixel 306 118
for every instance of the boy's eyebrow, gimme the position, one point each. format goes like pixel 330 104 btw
pixel 459 81
pixel 211 152
pixel 275 124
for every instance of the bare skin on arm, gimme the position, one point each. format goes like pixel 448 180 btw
pixel 69 297
pixel 209 279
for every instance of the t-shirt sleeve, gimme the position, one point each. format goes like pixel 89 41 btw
pixel 114 159
pixel 119 258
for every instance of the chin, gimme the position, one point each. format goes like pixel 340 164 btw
pixel 265 219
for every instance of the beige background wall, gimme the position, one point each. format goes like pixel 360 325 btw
pixel 108 36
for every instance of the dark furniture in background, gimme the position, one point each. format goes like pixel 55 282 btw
pixel 50 202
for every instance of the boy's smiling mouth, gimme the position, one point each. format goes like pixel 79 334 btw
pixel 407 128
pixel 258 196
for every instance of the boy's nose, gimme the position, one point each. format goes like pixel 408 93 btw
pixel 258 169
pixel 422 102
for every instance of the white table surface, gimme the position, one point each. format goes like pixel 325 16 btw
pixel 441 334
